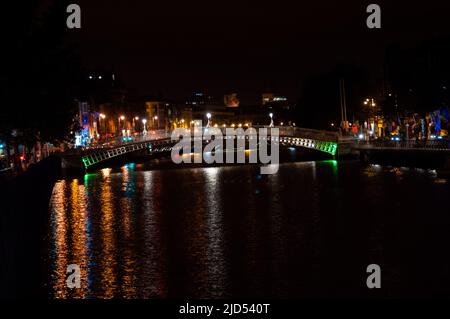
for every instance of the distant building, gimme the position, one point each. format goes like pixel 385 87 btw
pixel 231 100
pixel 268 98
pixel 158 114
pixel 201 98
pixel 88 124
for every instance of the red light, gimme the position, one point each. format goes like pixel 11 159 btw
pixel 22 158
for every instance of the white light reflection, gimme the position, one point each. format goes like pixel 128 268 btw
pixel 216 258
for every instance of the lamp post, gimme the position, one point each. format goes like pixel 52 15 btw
pixel 271 119
pixel 144 121
pixel 121 118
pixel 102 119
pixel 372 118
pixel 135 120
pixel 208 116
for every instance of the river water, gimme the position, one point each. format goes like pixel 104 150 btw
pixel 310 230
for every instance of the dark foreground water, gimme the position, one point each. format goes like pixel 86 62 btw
pixel 309 231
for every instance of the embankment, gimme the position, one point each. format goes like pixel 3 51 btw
pixel 24 202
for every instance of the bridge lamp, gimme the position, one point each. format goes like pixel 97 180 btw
pixel 271 119
pixel 121 118
pixel 144 121
pixel 208 116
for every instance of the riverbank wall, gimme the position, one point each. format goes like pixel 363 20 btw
pixel 24 207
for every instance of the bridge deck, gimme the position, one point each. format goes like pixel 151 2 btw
pixel 441 146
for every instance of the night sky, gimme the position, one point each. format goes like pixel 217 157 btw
pixel 176 47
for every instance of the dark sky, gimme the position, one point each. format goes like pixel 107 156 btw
pixel 176 47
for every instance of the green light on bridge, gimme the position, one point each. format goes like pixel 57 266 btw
pixel 327 147
pixel 86 162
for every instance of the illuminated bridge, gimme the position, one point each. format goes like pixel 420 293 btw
pixel 322 141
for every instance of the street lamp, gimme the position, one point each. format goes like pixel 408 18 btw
pixel 372 117
pixel 371 101
pixel 102 118
pixel 208 116
pixel 271 119
pixel 135 119
pixel 155 118
pixel 121 118
pixel 144 121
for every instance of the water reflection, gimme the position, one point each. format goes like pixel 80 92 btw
pixel 229 231
pixel 108 258
pixel 59 248
pixel 216 261
pixel 153 257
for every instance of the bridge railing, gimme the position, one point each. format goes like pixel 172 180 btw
pixel 284 131
pixel 290 131
pixel 410 144
pixel 124 140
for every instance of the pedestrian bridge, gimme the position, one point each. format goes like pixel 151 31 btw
pixel 322 141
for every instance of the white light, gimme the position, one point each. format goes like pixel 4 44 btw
pixel 361 136
pixel 208 115
pixel 271 115
pixel 144 121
